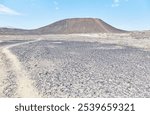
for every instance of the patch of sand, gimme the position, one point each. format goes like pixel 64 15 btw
pixel 2 73
pixel 121 39
pixel 25 84
pixel 25 88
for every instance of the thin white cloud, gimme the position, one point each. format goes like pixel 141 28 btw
pixel 56 4
pixel 117 3
pixel 57 8
pixel 8 11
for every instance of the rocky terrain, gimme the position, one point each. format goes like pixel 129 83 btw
pixel 84 65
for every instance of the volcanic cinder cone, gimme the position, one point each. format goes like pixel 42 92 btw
pixel 69 26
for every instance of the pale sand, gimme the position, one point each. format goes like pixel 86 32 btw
pixel 2 73
pixel 120 39
pixel 25 87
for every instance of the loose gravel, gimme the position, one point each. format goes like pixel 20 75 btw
pixel 62 68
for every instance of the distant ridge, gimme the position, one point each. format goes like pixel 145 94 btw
pixel 13 31
pixel 67 26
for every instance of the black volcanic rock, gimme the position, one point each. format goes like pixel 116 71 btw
pixel 68 26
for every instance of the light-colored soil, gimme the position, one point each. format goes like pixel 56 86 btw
pixel 127 39
pixel 14 80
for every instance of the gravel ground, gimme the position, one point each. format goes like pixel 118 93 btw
pixel 8 85
pixel 61 68
pixel 14 81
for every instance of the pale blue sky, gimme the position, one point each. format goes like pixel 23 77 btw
pixel 123 14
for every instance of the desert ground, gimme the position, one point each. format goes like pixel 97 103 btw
pixel 75 65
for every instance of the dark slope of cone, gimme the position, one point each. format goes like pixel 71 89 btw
pixel 79 25
pixel 68 26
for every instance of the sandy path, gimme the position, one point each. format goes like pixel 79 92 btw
pixel 2 73
pixel 15 81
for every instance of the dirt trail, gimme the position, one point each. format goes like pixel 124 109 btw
pixel 14 80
